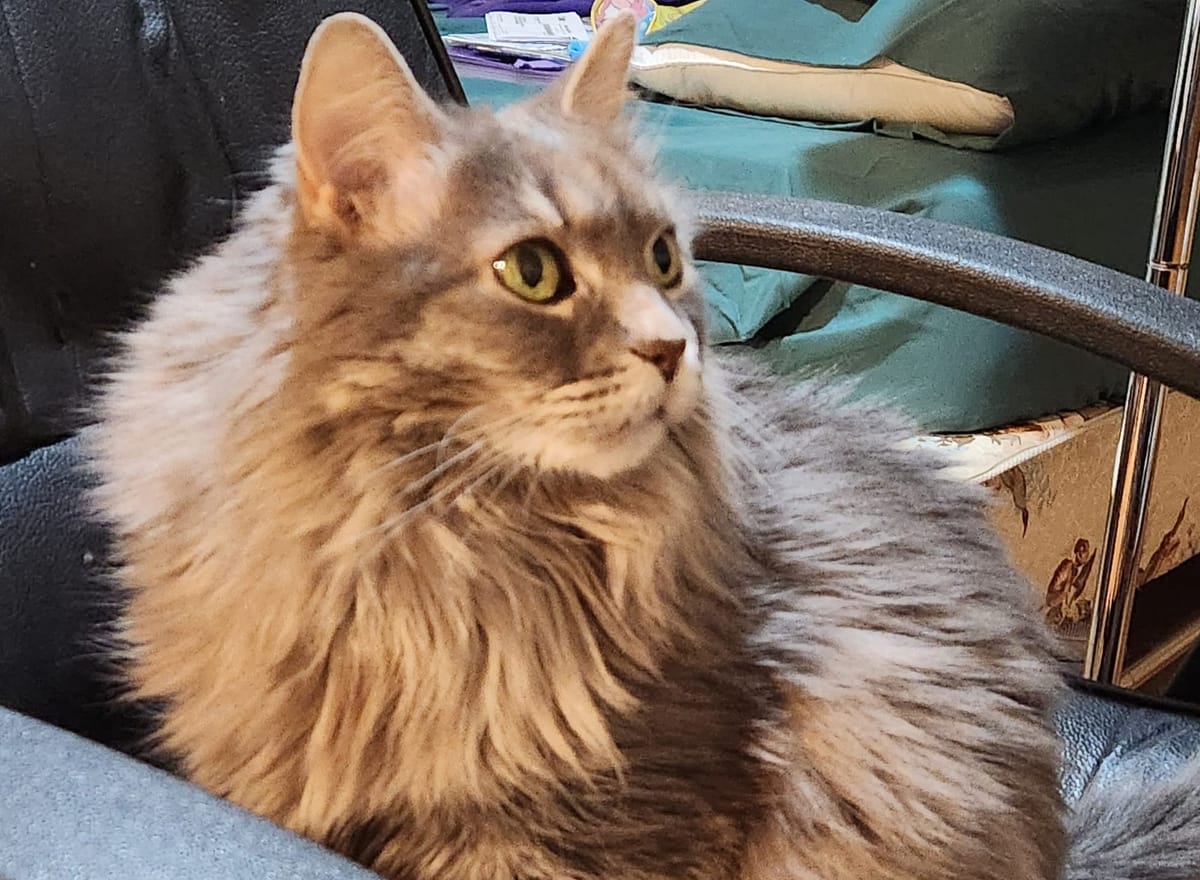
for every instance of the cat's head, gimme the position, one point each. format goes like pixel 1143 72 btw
pixel 517 277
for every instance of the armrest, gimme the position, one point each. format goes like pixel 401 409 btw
pixel 1111 314
pixel 75 809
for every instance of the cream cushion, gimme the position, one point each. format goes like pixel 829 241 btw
pixel 880 90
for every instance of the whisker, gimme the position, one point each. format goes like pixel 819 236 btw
pixel 511 474
pixel 398 522
pixel 441 468
pixel 394 524
pixel 439 444
pixel 449 435
pixel 474 462
pixel 399 460
pixel 487 474
pixel 531 489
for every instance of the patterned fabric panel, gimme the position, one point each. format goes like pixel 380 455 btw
pixel 1051 478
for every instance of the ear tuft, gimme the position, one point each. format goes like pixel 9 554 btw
pixel 362 127
pixel 596 87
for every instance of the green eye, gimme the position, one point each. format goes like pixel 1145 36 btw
pixel 534 270
pixel 663 261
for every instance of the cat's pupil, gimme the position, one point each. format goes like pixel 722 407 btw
pixel 529 264
pixel 662 255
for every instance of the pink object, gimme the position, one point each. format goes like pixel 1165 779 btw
pixel 642 10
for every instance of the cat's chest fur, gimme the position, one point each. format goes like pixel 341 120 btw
pixel 601 720
pixel 523 687
pixel 677 802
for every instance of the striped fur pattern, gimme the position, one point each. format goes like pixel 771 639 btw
pixel 475 588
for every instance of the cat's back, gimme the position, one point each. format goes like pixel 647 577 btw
pixel 837 481
pixel 914 667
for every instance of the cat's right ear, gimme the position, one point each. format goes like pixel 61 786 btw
pixel 365 135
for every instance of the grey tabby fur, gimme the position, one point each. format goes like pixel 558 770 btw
pixel 471 587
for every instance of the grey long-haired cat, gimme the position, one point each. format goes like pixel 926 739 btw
pixel 450 546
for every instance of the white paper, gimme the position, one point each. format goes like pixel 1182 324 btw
pixel 519 27
pixel 484 43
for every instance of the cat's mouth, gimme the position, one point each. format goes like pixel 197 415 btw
pixel 604 431
pixel 655 417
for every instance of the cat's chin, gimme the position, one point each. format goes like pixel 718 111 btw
pixel 604 454
pixel 600 456
pixel 623 451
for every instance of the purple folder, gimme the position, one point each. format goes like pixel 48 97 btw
pixel 478 8
pixel 470 61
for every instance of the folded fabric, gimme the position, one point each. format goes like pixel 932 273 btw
pixel 1062 65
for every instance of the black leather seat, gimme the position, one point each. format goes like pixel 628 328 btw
pixel 74 809
pixel 1109 734
pixel 139 124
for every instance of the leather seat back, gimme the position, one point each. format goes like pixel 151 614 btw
pixel 131 130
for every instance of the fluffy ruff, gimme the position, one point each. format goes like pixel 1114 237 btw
pixel 467 587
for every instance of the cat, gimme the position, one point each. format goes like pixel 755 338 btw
pixel 448 543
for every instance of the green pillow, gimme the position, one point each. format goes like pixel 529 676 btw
pixel 1063 64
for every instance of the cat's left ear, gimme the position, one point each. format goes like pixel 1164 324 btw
pixel 596 87
pixel 365 134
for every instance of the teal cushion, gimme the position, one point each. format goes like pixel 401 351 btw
pixel 1091 195
pixel 1063 65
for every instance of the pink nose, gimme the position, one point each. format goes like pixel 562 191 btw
pixel 663 353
